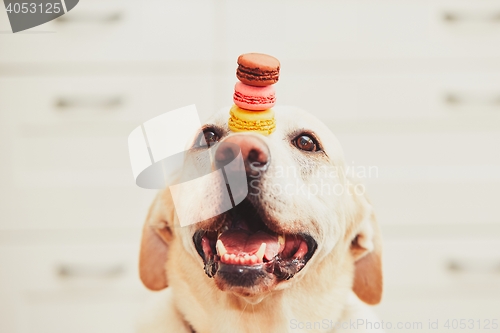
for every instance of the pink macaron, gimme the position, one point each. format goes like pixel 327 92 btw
pixel 254 98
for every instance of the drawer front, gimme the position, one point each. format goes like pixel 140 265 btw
pixel 70 265
pixel 443 281
pixel 467 265
pixel 431 314
pixel 108 31
pixel 335 95
pixel 98 312
pixel 70 163
pixel 428 203
pixel 70 286
pixel 149 31
pixel 366 29
pixel 74 208
pixel 445 149
pixel 32 103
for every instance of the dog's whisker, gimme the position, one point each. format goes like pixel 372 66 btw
pixel 255 318
pixel 241 314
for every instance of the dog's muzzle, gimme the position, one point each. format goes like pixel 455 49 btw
pixel 240 246
pixel 244 250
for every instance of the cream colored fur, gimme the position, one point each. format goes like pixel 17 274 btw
pixel 323 290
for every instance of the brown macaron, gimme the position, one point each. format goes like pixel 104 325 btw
pixel 257 69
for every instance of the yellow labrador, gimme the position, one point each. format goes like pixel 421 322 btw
pixel 302 252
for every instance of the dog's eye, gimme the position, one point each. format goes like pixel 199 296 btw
pixel 209 137
pixel 305 142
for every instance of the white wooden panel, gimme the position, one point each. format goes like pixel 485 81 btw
pixel 332 94
pixel 70 284
pixel 76 207
pixel 52 101
pixel 446 264
pixel 429 203
pixel 364 29
pixel 96 31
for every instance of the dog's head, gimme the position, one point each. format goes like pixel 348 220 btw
pixel 301 217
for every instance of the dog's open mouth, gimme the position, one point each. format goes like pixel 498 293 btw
pixel 244 249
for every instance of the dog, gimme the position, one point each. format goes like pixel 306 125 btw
pixel 320 267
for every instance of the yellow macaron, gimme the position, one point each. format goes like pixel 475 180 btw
pixel 242 120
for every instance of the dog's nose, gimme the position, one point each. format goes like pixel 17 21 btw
pixel 254 151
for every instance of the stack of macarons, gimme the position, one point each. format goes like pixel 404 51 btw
pixel 254 94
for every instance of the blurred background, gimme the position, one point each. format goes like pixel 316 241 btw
pixel 411 87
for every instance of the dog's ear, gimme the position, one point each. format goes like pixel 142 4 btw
pixel 156 235
pixel 366 248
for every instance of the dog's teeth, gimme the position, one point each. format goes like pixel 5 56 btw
pixel 221 250
pixel 260 253
pixel 281 239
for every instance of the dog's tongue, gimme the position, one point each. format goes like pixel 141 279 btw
pixel 239 241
